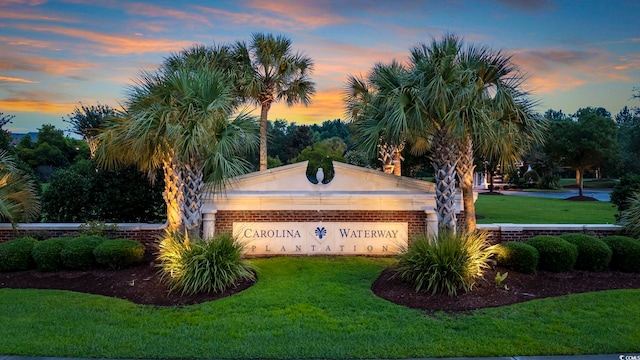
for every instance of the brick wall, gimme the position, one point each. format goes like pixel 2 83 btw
pixel 147 234
pixel 521 232
pixel 416 220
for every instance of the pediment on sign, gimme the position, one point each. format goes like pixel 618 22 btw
pixel 348 178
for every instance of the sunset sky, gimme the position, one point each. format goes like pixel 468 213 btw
pixel 54 54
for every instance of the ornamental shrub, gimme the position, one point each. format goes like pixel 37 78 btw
pixel 197 265
pixel 517 256
pixel 446 263
pixel 593 253
pixel 556 254
pixel 119 253
pixel 629 218
pixel 47 254
pixel 15 254
pixel 626 252
pixel 77 252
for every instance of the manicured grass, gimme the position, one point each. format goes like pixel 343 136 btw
pixel 312 308
pixel 590 183
pixel 539 210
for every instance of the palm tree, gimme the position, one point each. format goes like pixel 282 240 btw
pixel 87 121
pixel 444 99
pixel 19 201
pixel 179 119
pixel 271 72
pixel 497 114
pixel 416 103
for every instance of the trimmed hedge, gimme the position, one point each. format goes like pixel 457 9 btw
pixel 119 253
pixel 556 254
pixel 626 253
pixel 77 253
pixel 593 253
pixel 15 255
pixel 47 253
pixel 518 256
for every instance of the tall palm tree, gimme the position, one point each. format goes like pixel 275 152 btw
pixel 416 102
pixel 180 120
pixel 443 101
pixel 497 115
pixel 19 199
pixel 272 72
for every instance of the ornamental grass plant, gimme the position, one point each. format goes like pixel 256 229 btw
pixel 630 216
pixel 198 265
pixel 448 262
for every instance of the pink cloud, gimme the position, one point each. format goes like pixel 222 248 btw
pixel 149 10
pixel 15 79
pixel 549 70
pixel 113 44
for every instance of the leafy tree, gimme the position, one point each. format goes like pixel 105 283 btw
pixel 587 141
pixel 330 129
pixel 19 200
pixel 5 135
pixel 52 150
pixel 321 155
pixel 628 121
pixel 181 119
pixel 275 73
pixel 87 121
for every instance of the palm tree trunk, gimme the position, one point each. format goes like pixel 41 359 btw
pixel 465 170
pixel 192 189
pixel 444 163
pixel 397 161
pixel 173 194
pixel 264 112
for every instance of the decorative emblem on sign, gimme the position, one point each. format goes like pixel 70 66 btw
pixel 320 232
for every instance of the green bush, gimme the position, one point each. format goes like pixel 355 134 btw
pixel 119 253
pixel 77 252
pixel 448 262
pixel 556 254
pixel 517 256
pixel 201 266
pixel 626 252
pixel 593 253
pixel 15 254
pixel 47 254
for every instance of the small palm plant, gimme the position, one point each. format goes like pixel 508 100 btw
pixel 630 218
pixel 447 262
pixel 19 200
pixel 198 265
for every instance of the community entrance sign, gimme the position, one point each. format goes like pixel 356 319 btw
pixel 360 212
pixel 321 238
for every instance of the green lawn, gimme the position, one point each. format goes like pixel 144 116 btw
pixel 539 210
pixel 309 307
pixel 590 183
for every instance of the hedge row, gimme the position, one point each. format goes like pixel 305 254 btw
pixel 76 253
pixel 570 251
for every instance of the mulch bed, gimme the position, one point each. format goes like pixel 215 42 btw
pixel 141 284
